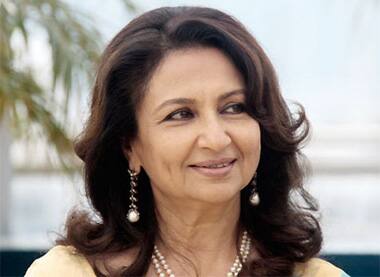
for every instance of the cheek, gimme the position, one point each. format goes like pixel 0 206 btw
pixel 254 136
pixel 167 150
pixel 164 161
pixel 250 145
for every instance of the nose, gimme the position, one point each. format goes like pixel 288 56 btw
pixel 214 135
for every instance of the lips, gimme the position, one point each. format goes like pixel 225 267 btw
pixel 215 168
pixel 210 163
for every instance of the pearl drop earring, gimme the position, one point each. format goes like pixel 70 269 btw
pixel 254 198
pixel 133 215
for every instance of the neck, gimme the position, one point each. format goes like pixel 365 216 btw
pixel 198 225
pixel 205 233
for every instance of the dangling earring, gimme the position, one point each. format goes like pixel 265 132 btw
pixel 133 214
pixel 254 198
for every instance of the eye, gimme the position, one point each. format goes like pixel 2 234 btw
pixel 180 115
pixel 236 108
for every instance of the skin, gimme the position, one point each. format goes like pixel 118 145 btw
pixel 197 215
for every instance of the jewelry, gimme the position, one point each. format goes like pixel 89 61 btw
pixel 133 215
pixel 162 268
pixel 254 198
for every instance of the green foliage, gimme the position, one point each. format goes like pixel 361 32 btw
pixel 75 45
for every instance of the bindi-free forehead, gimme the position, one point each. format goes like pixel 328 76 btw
pixel 193 75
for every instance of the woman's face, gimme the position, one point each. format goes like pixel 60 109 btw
pixel 193 112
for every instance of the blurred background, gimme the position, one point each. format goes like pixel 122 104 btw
pixel 327 56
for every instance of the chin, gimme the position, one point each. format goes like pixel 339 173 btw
pixel 218 195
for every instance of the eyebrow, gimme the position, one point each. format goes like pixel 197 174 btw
pixel 188 101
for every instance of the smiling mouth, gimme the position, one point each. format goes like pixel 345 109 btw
pixel 215 166
pixel 218 170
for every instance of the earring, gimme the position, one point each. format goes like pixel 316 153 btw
pixel 254 198
pixel 133 214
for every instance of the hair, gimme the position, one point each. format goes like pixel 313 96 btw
pixel 283 232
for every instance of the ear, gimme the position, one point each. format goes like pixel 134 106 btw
pixel 130 153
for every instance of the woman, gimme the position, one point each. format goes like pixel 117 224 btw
pixel 191 160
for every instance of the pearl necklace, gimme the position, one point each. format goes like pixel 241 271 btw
pixel 162 268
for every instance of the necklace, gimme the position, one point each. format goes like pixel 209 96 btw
pixel 163 270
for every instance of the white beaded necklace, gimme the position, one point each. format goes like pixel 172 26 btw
pixel 162 268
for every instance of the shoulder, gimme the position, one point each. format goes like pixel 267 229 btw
pixel 317 267
pixel 60 261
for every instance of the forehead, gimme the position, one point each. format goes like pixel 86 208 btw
pixel 193 72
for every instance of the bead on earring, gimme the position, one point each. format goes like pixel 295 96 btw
pixel 133 215
pixel 254 198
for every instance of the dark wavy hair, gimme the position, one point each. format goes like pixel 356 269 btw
pixel 283 231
